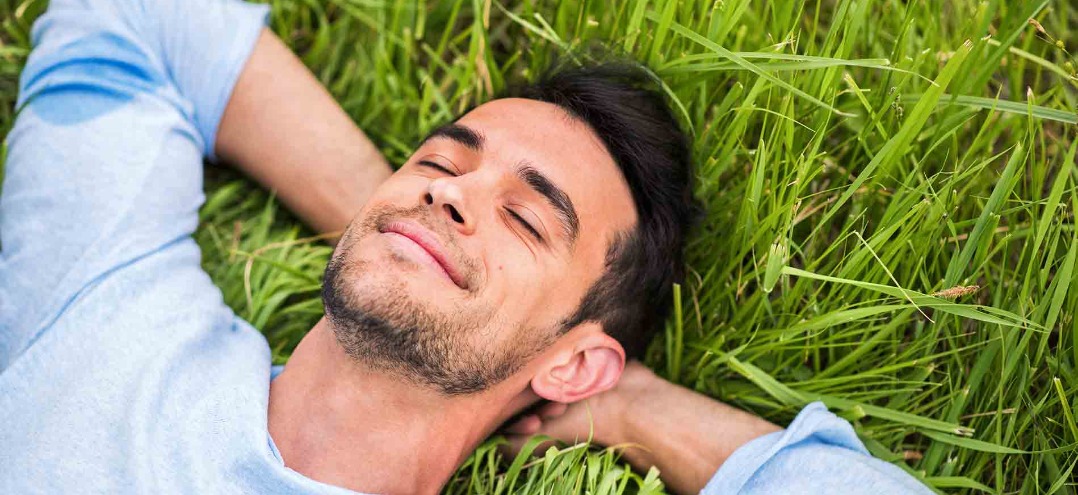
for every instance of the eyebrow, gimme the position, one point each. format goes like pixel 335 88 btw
pixel 563 206
pixel 466 136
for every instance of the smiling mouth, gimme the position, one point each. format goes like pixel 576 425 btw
pixel 423 245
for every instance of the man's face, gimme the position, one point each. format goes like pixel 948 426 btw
pixel 464 263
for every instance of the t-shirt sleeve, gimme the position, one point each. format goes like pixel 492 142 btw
pixel 119 103
pixel 818 453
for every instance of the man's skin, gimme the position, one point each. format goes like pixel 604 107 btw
pixel 345 423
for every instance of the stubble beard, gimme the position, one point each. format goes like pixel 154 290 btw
pixel 383 326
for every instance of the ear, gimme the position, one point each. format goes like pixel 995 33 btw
pixel 590 365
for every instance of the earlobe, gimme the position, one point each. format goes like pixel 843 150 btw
pixel 593 366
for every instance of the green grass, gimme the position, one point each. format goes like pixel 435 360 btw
pixel 855 158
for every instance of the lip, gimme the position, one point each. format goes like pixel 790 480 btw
pixel 429 242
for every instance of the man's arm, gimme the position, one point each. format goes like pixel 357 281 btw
pixel 119 103
pixel 686 435
pixel 282 128
pixel 698 443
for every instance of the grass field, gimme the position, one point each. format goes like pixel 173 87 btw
pixel 891 191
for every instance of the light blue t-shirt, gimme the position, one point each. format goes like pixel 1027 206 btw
pixel 121 368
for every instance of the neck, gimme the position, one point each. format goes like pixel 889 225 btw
pixel 348 425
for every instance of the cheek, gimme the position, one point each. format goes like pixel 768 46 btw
pixel 399 190
pixel 513 278
pixel 537 293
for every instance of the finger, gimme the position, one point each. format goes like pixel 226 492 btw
pixel 528 425
pixel 553 410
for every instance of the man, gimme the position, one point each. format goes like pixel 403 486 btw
pixel 522 254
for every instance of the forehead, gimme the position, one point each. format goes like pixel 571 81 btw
pixel 565 150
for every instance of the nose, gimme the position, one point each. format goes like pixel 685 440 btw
pixel 448 200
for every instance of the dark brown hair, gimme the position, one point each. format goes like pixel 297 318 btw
pixel 622 103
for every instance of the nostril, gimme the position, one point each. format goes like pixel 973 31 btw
pixel 428 198
pixel 453 213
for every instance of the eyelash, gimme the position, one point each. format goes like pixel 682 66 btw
pixel 435 166
pixel 531 230
pixel 527 226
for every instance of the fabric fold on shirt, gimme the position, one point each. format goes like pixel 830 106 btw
pixel 818 451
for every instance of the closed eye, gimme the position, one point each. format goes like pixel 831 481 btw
pixel 528 226
pixel 430 164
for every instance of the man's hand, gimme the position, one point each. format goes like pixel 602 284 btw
pixel 597 418
pixel 685 434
